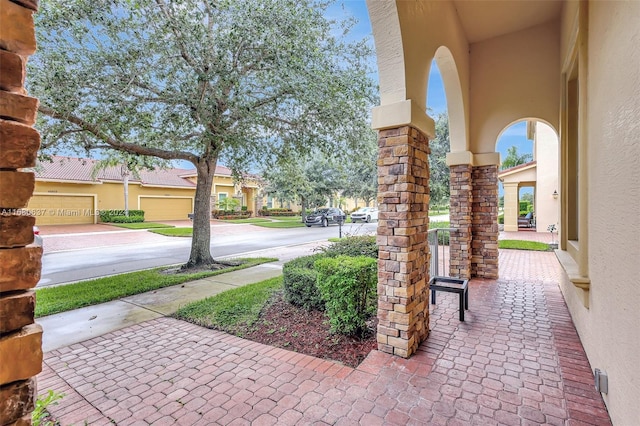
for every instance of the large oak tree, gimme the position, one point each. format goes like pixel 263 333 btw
pixel 199 81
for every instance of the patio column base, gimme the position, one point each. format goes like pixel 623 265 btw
pixel 484 227
pixel 403 274
pixel 460 219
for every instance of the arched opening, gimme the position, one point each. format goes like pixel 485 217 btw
pixel 528 177
pixel 450 79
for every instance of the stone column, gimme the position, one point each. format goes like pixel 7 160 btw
pixel 484 227
pixel 403 265
pixel 20 262
pixel 460 219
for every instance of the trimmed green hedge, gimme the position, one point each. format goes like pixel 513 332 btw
pixel 359 245
pixel 115 216
pixel 126 219
pixel 226 214
pixel 348 287
pixel 278 212
pixel 299 283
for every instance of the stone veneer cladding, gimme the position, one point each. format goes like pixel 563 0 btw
pixel 484 226
pixel 460 219
pixel 20 262
pixel 403 264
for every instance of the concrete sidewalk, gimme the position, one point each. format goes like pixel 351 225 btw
pixel 75 326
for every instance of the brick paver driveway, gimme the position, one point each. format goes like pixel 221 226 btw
pixel 516 360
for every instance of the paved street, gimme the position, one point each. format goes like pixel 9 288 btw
pixel 74 253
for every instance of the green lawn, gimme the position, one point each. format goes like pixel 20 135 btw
pixel 523 245
pixel 438 212
pixel 227 310
pixel 250 220
pixel 433 225
pixel 53 300
pixel 174 232
pixel 142 225
pixel 282 222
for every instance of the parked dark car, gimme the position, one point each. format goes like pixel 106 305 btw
pixel 325 216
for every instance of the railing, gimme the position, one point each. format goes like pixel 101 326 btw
pixel 438 239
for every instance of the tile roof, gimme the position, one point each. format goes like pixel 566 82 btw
pixel 516 168
pixel 81 170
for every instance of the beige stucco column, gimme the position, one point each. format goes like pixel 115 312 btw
pixel 511 206
pixel 403 202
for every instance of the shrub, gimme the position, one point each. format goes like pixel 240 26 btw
pixel 443 237
pixel 360 245
pixel 227 214
pixel 127 219
pixel 501 219
pixel 524 206
pixel 278 212
pixel 299 283
pixel 107 215
pixel 348 287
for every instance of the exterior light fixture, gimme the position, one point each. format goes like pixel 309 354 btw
pixel 555 194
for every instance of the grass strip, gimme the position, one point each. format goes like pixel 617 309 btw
pixel 281 224
pixel 53 300
pixel 523 245
pixel 433 225
pixel 232 308
pixel 250 220
pixel 142 225
pixel 174 232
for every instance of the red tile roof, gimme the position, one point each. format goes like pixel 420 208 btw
pixel 81 170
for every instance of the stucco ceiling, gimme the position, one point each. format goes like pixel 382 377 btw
pixel 485 19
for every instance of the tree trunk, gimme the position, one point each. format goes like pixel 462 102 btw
pixel 303 203
pixel 201 240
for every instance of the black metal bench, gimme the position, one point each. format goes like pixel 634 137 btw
pixel 451 285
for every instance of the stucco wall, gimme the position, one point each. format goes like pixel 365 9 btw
pixel 609 327
pixel 405 56
pixel 110 196
pixel 514 77
pixel 547 177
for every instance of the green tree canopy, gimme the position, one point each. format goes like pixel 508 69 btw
pixel 200 81
pixel 514 159
pixel 439 174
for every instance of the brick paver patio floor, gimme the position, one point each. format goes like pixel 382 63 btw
pixel 516 360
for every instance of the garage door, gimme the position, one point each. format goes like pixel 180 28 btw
pixel 165 208
pixel 62 209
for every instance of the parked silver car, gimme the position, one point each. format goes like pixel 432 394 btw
pixel 365 214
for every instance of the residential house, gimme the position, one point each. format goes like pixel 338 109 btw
pixel 541 174
pixel 72 191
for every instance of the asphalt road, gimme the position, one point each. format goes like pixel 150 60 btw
pixel 92 262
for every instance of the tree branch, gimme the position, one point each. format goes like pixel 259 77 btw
pixel 183 50
pixel 118 144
